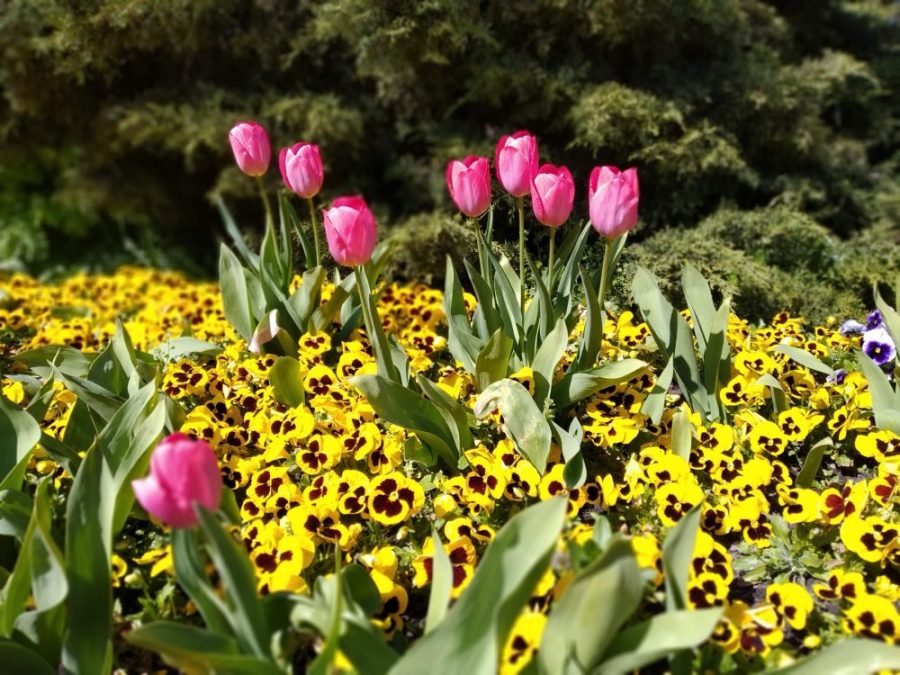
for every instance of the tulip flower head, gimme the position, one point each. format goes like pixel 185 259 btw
pixel 250 145
pixel 613 200
pixel 516 162
pixel 350 230
pixel 301 169
pixel 469 183
pixel 552 195
pixel 183 472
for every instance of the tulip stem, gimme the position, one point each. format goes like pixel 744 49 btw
pixel 521 204
pixel 604 283
pixel 313 221
pixel 550 264
pixel 270 222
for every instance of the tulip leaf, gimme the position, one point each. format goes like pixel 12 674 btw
pixel 286 378
pixel 19 659
pixel 850 656
pixel 657 637
pixel 183 347
pixel 812 462
pixel 585 620
pixel 884 398
pixel 589 347
pixel 655 403
pixel 441 584
pixel 472 634
pixel 235 294
pixel 682 435
pixel 677 550
pixel 577 386
pixel 401 406
pixel 805 359
pixel 19 433
pixel 547 358
pixel 492 361
pixel 68 360
pixel 522 419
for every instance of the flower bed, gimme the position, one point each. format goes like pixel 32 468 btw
pixel 323 473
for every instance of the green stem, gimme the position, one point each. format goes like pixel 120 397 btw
pixel 313 222
pixel 376 334
pixel 550 264
pixel 482 260
pixel 521 203
pixel 270 222
pixel 604 283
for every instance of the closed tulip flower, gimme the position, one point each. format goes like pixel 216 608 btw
pixel 250 145
pixel 350 230
pixel 301 169
pixel 183 472
pixel 516 162
pixel 613 200
pixel 552 194
pixel 469 183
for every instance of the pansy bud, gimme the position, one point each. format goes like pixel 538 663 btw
pixel 552 194
pixel 469 183
pixel 613 200
pixel 516 162
pixel 250 145
pixel 350 230
pixel 183 472
pixel 301 169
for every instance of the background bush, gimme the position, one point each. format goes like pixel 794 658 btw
pixel 773 123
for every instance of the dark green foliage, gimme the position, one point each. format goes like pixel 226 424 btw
pixel 114 113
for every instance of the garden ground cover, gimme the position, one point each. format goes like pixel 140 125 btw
pixel 795 491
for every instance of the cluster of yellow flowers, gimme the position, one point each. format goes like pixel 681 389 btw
pixel 794 565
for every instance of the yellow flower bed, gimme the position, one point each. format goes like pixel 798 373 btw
pixel 795 565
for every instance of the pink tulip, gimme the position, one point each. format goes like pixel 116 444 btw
pixel 350 229
pixel 469 183
pixel 183 472
pixel 552 194
pixel 250 145
pixel 613 200
pixel 301 169
pixel 516 162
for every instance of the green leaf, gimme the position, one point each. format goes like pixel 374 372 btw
pixel 545 361
pixel 805 359
pixel 398 405
pixel 779 398
pixel 239 580
pixel 235 294
pixel 175 349
pixel 660 636
pixel 307 298
pixel 19 433
pixel 286 378
pixel 441 584
pixel 677 550
pixel 884 399
pixel 577 386
pixel 850 656
pixel 49 585
pixel 589 347
pixel 359 589
pixel 673 337
pixel 322 665
pixel 68 360
pixel 812 462
pixel 492 362
pixel 655 403
pixel 19 659
pixel 453 412
pixel 700 302
pixel 522 419
pixel 193 649
pixel 472 634
pixel 890 315
pixel 585 620
pixel 15 512
pixel 682 435
pixel 190 572
pixel 87 644
pixel 575 471
pixel 250 258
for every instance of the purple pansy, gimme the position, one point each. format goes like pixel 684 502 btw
pixel 879 346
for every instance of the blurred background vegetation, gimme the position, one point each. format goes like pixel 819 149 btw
pixel 766 132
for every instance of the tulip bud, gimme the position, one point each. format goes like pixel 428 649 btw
pixel 469 183
pixel 613 200
pixel 552 194
pixel 250 145
pixel 350 230
pixel 516 162
pixel 182 472
pixel 301 169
